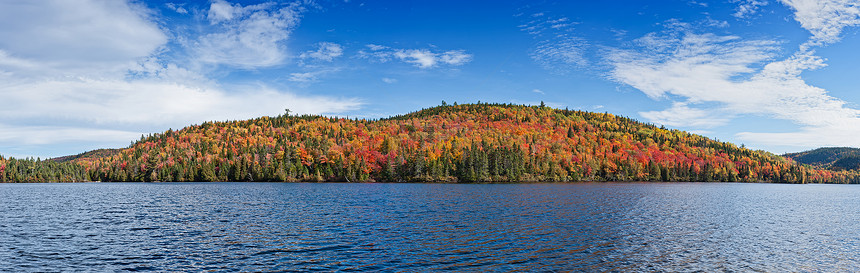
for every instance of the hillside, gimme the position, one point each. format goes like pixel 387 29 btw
pixel 460 143
pixel 65 169
pixel 834 158
pixel 91 155
pixel 35 170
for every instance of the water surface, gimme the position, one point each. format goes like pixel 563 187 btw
pixel 417 227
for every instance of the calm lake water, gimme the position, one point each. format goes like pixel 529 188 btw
pixel 419 227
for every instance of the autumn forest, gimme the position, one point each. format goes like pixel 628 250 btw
pixel 465 143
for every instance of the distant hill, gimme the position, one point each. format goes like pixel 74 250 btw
pixel 834 158
pixel 91 155
pixel 850 162
pixel 449 143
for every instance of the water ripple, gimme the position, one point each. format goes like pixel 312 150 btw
pixel 239 227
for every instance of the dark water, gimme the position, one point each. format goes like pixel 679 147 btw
pixel 422 227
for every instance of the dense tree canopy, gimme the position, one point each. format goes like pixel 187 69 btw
pixel 448 143
pixel 36 170
pixel 833 158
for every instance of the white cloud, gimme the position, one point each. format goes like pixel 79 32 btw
pixel 825 19
pixel 695 66
pixel 326 52
pixel 377 53
pixel 221 10
pixel 111 113
pixel 247 37
pixel 547 26
pixel 41 135
pixel 700 132
pixel 311 76
pixel 715 23
pixel 153 68
pixel 747 8
pixel 740 77
pixel 704 5
pixel 303 77
pixel 151 102
pixel 558 49
pixel 389 80
pixel 682 116
pixel 177 8
pixel 808 137
pixel 13 63
pixel 561 55
pixel 373 47
pixel 619 34
pixel 538 91
pixel 69 36
pixel 94 71
pixel 455 57
pixel 560 23
pixel 422 58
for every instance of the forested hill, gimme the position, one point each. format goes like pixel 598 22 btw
pixel 833 158
pixel 91 155
pixel 459 143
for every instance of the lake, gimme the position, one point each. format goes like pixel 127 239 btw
pixel 231 227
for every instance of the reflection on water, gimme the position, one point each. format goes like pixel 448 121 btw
pixel 416 227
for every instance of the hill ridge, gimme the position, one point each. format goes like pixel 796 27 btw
pixel 833 158
pixel 448 143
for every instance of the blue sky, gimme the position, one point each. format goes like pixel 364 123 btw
pixel 778 75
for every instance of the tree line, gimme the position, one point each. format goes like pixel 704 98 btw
pixel 449 143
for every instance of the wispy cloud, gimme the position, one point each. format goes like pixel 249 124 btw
pixel 747 8
pixel 303 77
pixel 41 135
pixel 826 121
pixel 389 80
pixel 246 37
pixel 711 78
pixel 177 8
pixel 558 49
pixel 689 65
pixel 682 116
pixel 561 55
pixel 150 102
pixel 740 76
pixel 538 91
pixel 808 137
pixel 326 51
pixel 825 19
pixel 313 75
pixel 421 58
pixel 701 4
